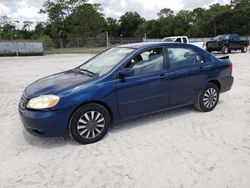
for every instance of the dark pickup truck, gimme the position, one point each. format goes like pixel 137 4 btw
pixel 227 43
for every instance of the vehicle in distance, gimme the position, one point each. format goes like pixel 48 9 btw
pixel 123 83
pixel 227 43
pixel 182 39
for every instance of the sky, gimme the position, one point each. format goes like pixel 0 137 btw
pixel 27 10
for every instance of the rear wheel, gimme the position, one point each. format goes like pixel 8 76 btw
pixel 89 123
pixel 208 98
pixel 225 50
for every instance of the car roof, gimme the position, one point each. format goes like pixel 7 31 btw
pixel 175 37
pixel 151 44
pixel 142 45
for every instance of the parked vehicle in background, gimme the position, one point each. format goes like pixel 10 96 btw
pixel 121 83
pixel 182 39
pixel 227 43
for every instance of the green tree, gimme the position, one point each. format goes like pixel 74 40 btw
pixel 240 19
pixel 182 22
pixel 113 27
pixel 129 23
pixel 57 12
pixel 8 32
pixel 151 28
pixel 27 25
pixel 166 21
pixel 86 20
pixel 42 31
pixel 198 16
pixel 26 32
pixel 76 18
pixel 239 3
pixel 216 20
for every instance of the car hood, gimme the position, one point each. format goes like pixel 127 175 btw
pixel 56 83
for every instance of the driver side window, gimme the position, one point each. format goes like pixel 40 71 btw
pixel 147 62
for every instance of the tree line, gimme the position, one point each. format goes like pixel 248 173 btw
pixel 78 18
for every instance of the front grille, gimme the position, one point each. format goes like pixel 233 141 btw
pixel 23 102
pixel 212 44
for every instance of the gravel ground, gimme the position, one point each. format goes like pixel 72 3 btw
pixel 178 148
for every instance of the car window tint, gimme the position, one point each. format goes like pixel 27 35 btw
pixel 105 61
pixel 147 62
pixel 180 57
pixel 184 40
pixel 199 59
pixel 178 40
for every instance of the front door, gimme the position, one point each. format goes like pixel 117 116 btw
pixel 148 89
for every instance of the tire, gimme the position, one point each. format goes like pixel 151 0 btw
pixel 225 50
pixel 89 123
pixel 208 98
pixel 207 49
pixel 244 49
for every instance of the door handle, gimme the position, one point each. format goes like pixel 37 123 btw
pixel 201 68
pixel 163 76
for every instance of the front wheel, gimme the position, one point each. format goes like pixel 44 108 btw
pixel 207 49
pixel 244 49
pixel 208 98
pixel 89 123
pixel 225 50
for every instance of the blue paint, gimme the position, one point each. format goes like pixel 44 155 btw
pixel 126 97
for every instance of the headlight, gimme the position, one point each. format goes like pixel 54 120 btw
pixel 43 102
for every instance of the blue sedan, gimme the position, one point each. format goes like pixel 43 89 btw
pixel 122 83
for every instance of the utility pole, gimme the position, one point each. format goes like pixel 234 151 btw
pixel 107 39
pixel 121 38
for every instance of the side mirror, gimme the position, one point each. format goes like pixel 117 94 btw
pixel 126 72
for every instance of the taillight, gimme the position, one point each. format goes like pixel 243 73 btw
pixel 230 65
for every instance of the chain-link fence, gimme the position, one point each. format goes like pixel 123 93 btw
pixel 92 45
pixel 88 42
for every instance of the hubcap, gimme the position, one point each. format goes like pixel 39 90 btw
pixel 90 124
pixel 210 98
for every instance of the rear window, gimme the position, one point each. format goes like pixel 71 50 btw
pixel 182 57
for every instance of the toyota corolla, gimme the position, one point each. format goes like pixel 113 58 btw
pixel 121 83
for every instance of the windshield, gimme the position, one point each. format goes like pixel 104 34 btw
pixel 104 62
pixel 221 37
pixel 169 39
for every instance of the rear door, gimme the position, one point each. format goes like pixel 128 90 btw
pixel 234 42
pixel 187 75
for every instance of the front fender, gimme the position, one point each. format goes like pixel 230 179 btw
pixel 103 92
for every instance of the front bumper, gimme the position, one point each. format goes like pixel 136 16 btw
pixel 46 123
pixel 213 48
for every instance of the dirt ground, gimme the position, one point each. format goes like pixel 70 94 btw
pixel 178 148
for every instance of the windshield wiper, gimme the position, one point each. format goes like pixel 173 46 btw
pixel 85 71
